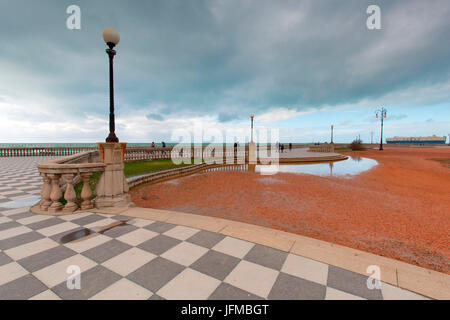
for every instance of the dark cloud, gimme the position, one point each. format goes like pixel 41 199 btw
pixel 200 57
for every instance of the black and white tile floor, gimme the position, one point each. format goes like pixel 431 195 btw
pixel 144 259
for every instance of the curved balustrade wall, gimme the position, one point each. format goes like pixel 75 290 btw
pixel 59 177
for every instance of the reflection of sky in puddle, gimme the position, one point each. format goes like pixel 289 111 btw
pixel 20 203
pixel 351 166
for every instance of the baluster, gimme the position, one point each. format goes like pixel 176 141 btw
pixel 55 194
pixel 86 192
pixel 70 195
pixel 45 192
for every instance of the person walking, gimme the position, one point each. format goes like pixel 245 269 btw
pixel 282 148
pixel 290 146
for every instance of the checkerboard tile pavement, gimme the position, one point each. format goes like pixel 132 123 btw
pixel 19 177
pixel 144 259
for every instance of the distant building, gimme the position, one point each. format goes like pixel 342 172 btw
pixel 418 140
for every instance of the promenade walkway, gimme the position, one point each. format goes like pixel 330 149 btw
pixel 143 258
pixel 302 155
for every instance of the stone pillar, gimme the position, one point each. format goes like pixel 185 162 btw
pixel 112 188
pixel 86 192
pixel 55 194
pixel 252 158
pixel 45 192
pixel 69 194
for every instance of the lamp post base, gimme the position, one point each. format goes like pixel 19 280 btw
pixel 112 188
pixel 112 137
pixel 252 156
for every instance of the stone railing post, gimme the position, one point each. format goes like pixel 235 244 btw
pixel 70 195
pixel 45 192
pixel 55 194
pixel 86 192
pixel 332 147
pixel 112 188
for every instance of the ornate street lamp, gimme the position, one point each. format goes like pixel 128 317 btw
pixel 381 113
pixel 111 38
pixel 252 116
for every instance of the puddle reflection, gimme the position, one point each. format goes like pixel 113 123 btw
pixel 351 166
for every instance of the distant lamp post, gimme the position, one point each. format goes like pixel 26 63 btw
pixel 332 128
pixel 381 113
pixel 252 116
pixel 111 38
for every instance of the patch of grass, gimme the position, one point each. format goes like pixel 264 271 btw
pixel 142 167
pixel 93 181
pixel 444 161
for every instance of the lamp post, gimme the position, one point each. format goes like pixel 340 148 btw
pixel 382 114
pixel 252 116
pixel 332 128
pixel 112 38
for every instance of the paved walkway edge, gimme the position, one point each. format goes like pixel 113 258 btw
pixel 426 282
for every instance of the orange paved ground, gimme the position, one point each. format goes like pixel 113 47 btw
pixel 399 209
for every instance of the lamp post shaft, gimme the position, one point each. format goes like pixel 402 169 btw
pixel 112 125
pixel 382 113
pixel 381 140
pixel 252 130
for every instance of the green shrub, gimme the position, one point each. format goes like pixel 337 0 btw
pixel 356 145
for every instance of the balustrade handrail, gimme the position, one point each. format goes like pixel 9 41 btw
pixel 66 170
pixel 66 151
pixel 327 147
pixel 41 151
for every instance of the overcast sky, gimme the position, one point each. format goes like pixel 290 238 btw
pixel 299 66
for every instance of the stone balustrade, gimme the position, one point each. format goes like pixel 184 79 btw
pixel 326 147
pixel 147 153
pixel 42 151
pixel 59 178
pixel 135 153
